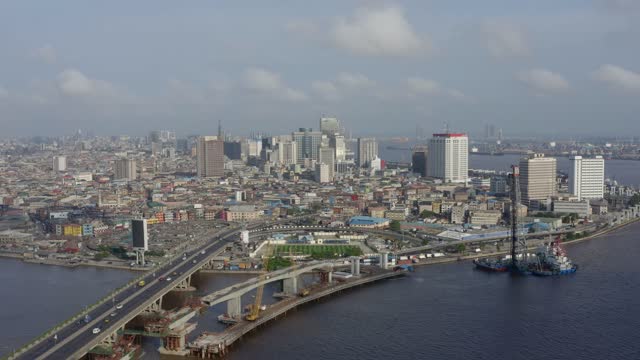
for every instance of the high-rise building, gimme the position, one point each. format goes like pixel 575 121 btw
pixel 587 177
pixel 367 151
pixel 448 157
pixel 233 150
pixel 287 152
pixel 59 163
pixel 537 178
pixel 210 154
pixel 327 155
pixel 419 160
pixel 308 142
pixel 337 142
pixel 125 169
pixel 322 173
pixel 329 126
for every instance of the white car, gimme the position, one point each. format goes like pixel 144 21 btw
pixel 95 330
pixel 202 252
pixel 168 279
pixel 119 306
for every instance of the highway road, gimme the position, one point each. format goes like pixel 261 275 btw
pixel 76 335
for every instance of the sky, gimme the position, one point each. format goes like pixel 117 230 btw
pixel 539 67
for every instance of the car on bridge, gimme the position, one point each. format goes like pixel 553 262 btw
pixel 168 279
pixel 95 330
pixel 119 306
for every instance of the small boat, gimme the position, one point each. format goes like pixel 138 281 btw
pixel 490 265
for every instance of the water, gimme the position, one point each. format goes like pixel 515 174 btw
pixel 626 172
pixel 448 311
pixel 452 311
pixel 37 297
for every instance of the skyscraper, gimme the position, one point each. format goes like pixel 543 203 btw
pixel 338 143
pixel 587 177
pixel 419 160
pixel 367 151
pixel 59 163
pixel 448 157
pixel 537 178
pixel 210 153
pixel 308 142
pixel 287 152
pixel 329 126
pixel 125 169
pixel 327 155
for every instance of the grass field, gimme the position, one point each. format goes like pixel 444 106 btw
pixel 319 251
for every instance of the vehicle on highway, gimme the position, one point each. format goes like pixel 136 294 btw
pixel 184 258
pixel 168 279
pixel 175 273
pixel 87 318
pixel 119 306
pixel 203 252
pixel 194 261
pixel 95 330
pixel 161 278
pixel 141 283
pixel 106 320
pixel 113 314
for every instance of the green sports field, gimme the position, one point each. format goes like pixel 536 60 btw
pixel 318 251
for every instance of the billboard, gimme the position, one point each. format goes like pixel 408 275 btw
pixel 140 236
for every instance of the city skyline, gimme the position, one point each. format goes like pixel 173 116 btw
pixel 528 69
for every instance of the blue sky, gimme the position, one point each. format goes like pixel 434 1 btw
pixel 127 67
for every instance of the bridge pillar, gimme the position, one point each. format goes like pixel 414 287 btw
pixel 330 277
pixel 155 306
pixel 384 260
pixel 290 285
pixel 355 266
pixel 234 307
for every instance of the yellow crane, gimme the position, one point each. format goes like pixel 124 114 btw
pixel 254 309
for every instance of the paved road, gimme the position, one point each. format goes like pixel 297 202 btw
pixel 75 335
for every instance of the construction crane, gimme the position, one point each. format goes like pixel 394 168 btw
pixel 254 309
pixel 518 243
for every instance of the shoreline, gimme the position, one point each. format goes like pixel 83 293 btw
pixel 575 241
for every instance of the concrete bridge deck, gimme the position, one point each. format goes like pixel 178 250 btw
pixel 210 345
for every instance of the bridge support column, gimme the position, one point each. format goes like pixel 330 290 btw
pixel 330 277
pixel 155 306
pixel 384 260
pixel 290 285
pixel 234 307
pixel 355 266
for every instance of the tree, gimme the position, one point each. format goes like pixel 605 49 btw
pixel 461 248
pixel 427 214
pixel 395 225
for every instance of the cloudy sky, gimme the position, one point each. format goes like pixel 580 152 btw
pixel 127 67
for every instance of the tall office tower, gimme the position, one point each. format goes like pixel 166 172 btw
pixel 154 136
pixel 367 151
pixel 287 152
pixel 337 142
pixel 327 155
pixel 587 177
pixel 419 160
pixel 329 126
pixel 59 163
pixel 125 169
pixel 210 153
pixel 233 150
pixel 308 142
pixel 448 157
pixel 537 178
pixel 322 173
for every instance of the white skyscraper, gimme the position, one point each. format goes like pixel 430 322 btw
pixel 537 178
pixel 337 142
pixel 367 151
pixel 287 152
pixel 327 156
pixel 587 177
pixel 59 163
pixel 448 157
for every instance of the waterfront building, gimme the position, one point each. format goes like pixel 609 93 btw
pixel 419 160
pixel 537 178
pixel 367 151
pixel 586 180
pixel 448 157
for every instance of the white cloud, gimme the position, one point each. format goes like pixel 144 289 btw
pixel 543 80
pixel 72 82
pixel 421 86
pixel 267 82
pixel 46 54
pixel 504 40
pixel 618 77
pixel 344 84
pixel 354 80
pixel 380 31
